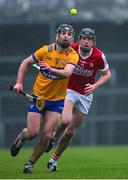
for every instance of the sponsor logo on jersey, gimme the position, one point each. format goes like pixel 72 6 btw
pixel 63 61
pixel 91 65
pixel 49 74
pixel 83 72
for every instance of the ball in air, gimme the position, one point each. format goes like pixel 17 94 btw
pixel 73 12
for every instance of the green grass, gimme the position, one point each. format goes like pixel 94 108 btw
pixel 76 163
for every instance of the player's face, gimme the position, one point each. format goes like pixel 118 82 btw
pixel 86 43
pixel 65 38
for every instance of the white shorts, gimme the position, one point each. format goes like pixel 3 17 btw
pixel 81 102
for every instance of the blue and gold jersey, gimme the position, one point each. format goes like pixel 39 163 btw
pixel 47 83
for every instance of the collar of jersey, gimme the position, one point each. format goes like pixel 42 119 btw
pixel 85 57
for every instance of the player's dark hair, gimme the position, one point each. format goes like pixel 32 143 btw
pixel 65 27
pixel 87 32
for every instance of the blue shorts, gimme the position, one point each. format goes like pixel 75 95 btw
pixel 56 106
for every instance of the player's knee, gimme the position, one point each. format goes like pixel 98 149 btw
pixel 30 133
pixel 33 134
pixel 69 132
pixel 47 136
pixel 66 121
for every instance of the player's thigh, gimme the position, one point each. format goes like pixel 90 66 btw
pixel 51 121
pixel 33 121
pixel 67 113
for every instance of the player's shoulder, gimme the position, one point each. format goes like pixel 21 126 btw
pixel 72 55
pixel 47 48
pixel 72 52
pixel 97 51
pixel 75 46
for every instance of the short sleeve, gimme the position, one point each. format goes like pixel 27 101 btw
pixel 103 65
pixel 73 58
pixel 39 54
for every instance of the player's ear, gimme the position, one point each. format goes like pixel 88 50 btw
pixel 72 40
pixel 94 43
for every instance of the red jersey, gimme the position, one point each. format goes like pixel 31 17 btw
pixel 86 69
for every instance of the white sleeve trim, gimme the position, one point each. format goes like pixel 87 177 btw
pixel 106 66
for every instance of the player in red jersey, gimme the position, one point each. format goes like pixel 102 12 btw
pixel 80 90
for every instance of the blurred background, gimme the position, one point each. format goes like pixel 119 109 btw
pixel 26 25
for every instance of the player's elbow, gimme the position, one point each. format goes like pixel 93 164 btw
pixel 109 75
pixel 68 74
pixel 69 70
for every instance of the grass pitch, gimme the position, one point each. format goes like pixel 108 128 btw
pixel 76 163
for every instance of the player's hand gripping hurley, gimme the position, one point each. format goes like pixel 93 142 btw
pixel 39 102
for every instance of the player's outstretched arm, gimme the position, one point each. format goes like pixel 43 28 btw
pixel 26 63
pixel 65 73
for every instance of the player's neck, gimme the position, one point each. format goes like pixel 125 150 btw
pixel 84 55
pixel 60 49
